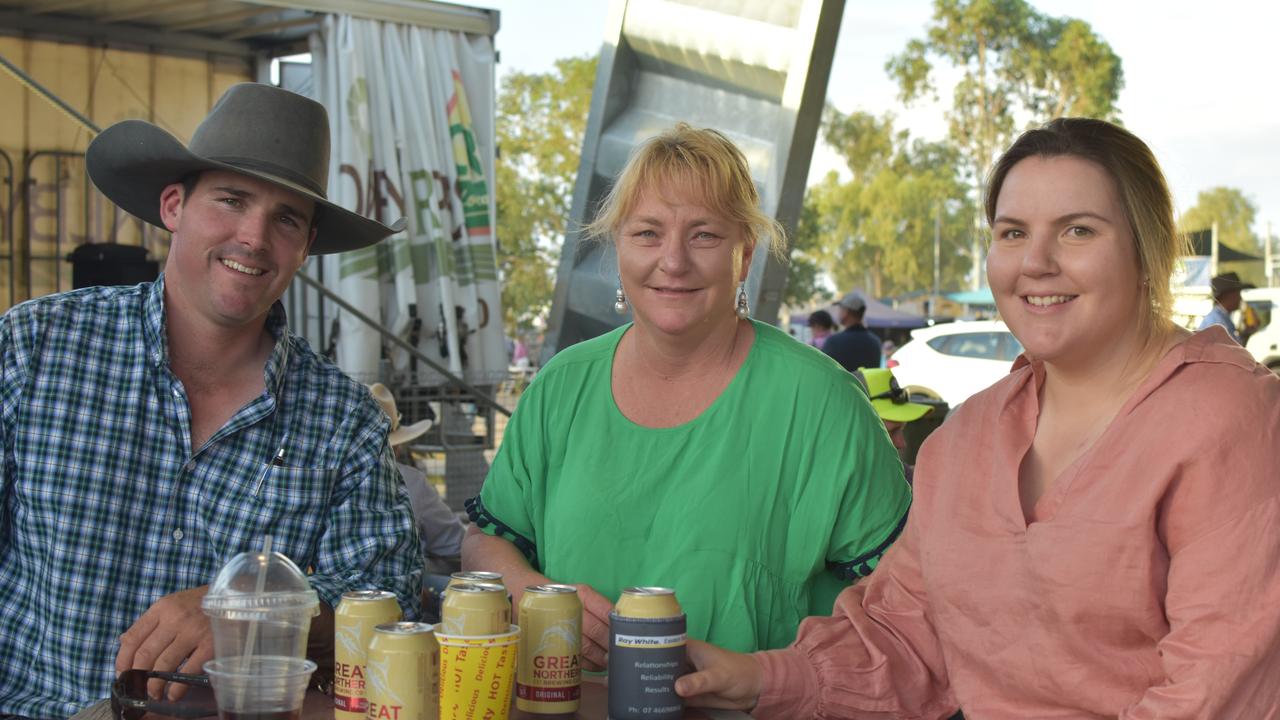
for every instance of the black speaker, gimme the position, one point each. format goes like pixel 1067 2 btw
pixel 110 264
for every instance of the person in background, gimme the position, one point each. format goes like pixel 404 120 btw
pixel 855 346
pixel 440 530
pixel 893 404
pixel 693 448
pixel 820 327
pixel 1226 300
pixel 148 434
pixel 1097 534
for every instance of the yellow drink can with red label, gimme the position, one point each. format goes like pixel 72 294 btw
pixel 549 675
pixel 358 613
pixel 403 672
pixel 474 609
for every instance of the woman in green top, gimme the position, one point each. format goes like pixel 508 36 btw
pixel 694 448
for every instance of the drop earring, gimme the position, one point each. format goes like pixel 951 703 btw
pixel 620 301
pixel 742 309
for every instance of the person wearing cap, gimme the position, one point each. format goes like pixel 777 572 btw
pixel 855 346
pixel 151 433
pixel 439 528
pixel 1226 300
pixel 893 404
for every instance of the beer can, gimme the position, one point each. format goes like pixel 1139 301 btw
pixel 403 670
pixel 549 674
pixel 358 613
pixel 646 655
pixel 475 576
pixel 475 609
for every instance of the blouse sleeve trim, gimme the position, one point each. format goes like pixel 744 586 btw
pixel 862 565
pixel 481 516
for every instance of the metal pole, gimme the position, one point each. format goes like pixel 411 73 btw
pixel 54 100
pixel 1266 254
pixel 1213 252
pixel 398 341
pixel 937 254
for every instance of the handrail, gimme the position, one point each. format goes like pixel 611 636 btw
pixel 399 342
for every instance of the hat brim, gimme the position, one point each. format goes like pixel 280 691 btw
pixel 131 162
pixel 407 433
pixel 905 412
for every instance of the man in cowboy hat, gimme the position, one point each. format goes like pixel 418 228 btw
pixel 1226 290
pixel 439 528
pixel 151 433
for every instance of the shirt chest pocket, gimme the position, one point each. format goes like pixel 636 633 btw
pixel 289 503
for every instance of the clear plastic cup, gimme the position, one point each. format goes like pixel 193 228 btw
pixel 259 687
pixel 260 604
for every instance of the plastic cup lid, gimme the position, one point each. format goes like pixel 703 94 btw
pixel 260 586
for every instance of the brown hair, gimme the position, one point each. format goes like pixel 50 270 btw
pixel 1144 194
pixel 694 158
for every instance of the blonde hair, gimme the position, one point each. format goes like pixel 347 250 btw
pixel 1144 194
pixel 699 159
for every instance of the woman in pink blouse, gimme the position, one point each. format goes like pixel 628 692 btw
pixel 1097 535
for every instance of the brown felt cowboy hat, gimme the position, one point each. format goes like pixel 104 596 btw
pixel 258 130
pixel 1222 284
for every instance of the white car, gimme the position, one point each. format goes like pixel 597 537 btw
pixel 1264 345
pixel 956 360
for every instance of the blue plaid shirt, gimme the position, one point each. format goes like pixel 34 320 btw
pixel 104 506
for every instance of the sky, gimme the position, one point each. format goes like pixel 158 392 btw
pixel 1201 79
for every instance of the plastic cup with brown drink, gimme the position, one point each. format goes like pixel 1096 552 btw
pixel 260 608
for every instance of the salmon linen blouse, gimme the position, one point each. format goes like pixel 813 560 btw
pixel 1146 586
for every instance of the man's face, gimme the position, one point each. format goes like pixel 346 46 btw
pixel 897 434
pixel 1230 301
pixel 237 242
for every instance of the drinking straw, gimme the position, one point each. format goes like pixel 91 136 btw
pixel 259 587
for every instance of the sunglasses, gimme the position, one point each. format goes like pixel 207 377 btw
pixel 898 395
pixel 129 699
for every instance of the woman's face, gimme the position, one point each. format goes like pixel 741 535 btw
pixel 680 262
pixel 1063 266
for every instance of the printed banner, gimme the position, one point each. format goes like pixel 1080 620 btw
pixel 407 145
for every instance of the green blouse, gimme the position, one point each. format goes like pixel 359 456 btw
pixel 758 512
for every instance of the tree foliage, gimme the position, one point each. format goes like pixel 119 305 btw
pixel 877 231
pixel 1232 211
pixel 542 118
pixel 1017 67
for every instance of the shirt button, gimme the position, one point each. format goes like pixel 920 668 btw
pixel 177 534
pixel 189 466
pixel 177 393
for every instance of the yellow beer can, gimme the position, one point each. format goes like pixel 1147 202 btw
pixel 403 672
pixel 358 613
pixel 648 602
pixel 549 674
pixel 475 609
pixel 475 576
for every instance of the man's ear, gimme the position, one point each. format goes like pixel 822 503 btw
pixel 172 198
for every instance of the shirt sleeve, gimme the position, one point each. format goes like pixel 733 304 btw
pixel 877 656
pixel 505 506
pixel 439 528
pixel 371 540
pixel 1221 526
pixel 873 509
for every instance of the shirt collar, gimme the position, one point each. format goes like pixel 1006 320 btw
pixel 153 328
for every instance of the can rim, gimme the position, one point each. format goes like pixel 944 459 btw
pixel 551 589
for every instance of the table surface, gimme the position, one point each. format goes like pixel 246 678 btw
pixel 595 706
